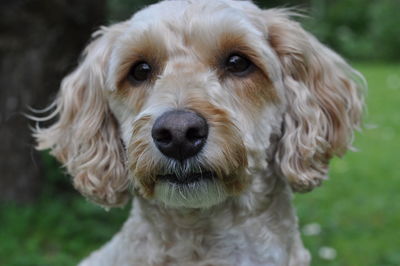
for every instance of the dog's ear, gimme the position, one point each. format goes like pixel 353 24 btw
pixel 324 102
pixel 85 137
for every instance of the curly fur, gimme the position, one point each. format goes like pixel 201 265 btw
pixel 271 131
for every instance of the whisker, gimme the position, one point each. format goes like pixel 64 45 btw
pixel 44 110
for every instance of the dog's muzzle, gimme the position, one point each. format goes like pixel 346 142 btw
pixel 180 135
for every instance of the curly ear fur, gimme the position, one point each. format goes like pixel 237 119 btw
pixel 86 136
pixel 324 102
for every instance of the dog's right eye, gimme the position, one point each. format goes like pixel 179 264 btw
pixel 140 72
pixel 238 65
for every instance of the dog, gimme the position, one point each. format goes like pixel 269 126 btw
pixel 209 114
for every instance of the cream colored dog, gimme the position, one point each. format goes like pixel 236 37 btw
pixel 210 113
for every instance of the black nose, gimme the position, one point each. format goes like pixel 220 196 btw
pixel 180 134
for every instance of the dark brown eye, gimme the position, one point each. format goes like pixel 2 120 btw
pixel 140 72
pixel 238 65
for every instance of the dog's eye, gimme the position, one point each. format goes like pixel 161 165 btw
pixel 140 72
pixel 238 65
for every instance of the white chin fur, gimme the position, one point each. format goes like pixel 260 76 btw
pixel 201 194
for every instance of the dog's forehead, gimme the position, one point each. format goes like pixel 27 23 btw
pixel 164 9
pixel 187 27
pixel 184 12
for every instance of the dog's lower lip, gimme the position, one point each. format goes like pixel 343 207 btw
pixel 186 179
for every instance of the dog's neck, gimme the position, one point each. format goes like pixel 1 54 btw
pixel 186 218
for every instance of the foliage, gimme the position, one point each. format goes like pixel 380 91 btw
pixel 358 209
pixel 358 29
pixel 123 9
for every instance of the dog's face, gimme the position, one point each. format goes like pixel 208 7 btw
pixel 193 102
pixel 192 91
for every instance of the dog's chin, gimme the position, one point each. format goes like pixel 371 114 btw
pixel 197 190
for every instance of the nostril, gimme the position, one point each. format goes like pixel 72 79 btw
pixel 162 136
pixel 194 134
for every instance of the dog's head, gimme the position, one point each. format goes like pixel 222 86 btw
pixel 192 101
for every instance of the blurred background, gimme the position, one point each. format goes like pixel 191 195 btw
pixel 353 219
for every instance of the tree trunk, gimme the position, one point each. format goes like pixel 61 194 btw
pixel 40 41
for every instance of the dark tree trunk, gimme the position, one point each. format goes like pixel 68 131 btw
pixel 40 41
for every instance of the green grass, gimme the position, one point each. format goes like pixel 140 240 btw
pixel 358 209
pixel 55 231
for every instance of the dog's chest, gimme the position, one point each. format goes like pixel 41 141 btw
pixel 241 246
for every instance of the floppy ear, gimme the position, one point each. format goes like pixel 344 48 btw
pixel 85 137
pixel 323 102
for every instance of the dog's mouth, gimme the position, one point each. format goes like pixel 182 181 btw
pixel 200 189
pixel 188 178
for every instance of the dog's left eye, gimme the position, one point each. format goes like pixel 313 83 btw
pixel 238 64
pixel 140 72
